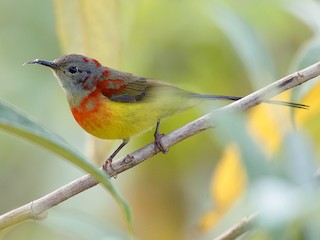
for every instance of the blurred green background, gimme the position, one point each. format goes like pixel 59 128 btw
pixel 187 43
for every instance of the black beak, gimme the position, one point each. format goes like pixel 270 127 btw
pixel 50 64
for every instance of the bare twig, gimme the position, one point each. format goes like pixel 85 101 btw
pixel 37 208
pixel 238 229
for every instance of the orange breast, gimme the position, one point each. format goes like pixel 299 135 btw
pixel 114 120
pixel 92 115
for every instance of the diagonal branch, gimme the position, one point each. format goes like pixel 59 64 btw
pixel 37 209
pixel 240 228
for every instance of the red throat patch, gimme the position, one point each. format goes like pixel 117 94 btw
pixel 89 105
pixel 92 102
pixel 97 63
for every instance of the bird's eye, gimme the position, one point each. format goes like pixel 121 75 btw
pixel 73 69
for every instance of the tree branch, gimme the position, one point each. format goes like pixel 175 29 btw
pixel 37 209
pixel 238 229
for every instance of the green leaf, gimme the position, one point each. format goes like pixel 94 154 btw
pixel 15 122
pixel 299 159
pixel 248 45
pixel 306 11
pixel 308 53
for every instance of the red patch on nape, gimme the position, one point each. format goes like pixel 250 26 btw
pixel 86 60
pixel 97 63
pixel 105 73
pixel 111 86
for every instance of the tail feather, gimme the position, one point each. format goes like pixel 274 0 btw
pixel 235 98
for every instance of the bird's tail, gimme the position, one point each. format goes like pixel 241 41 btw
pixel 235 98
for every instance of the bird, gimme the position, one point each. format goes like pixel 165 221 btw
pixel 111 104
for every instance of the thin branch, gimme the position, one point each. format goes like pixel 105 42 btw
pixel 37 209
pixel 238 229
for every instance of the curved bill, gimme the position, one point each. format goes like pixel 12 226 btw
pixel 50 64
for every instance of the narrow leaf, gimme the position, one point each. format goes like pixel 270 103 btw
pixel 16 122
pixel 249 47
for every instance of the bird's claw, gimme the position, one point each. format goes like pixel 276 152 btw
pixel 158 143
pixel 108 165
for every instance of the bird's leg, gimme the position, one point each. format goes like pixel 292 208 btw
pixel 110 158
pixel 157 138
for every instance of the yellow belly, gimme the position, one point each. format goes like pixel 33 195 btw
pixel 116 120
pixel 108 119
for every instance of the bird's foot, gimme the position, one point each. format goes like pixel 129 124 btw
pixel 157 139
pixel 158 142
pixel 107 166
pixel 108 163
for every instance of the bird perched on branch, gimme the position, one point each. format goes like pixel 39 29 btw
pixel 111 104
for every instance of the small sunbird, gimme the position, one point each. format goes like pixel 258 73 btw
pixel 111 104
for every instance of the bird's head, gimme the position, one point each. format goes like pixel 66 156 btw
pixel 75 72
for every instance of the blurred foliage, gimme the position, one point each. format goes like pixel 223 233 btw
pixel 17 123
pixel 222 47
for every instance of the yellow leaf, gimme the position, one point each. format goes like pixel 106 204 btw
pixel 209 220
pixel 229 178
pixel 227 185
pixel 92 28
pixel 267 125
pixel 311 99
